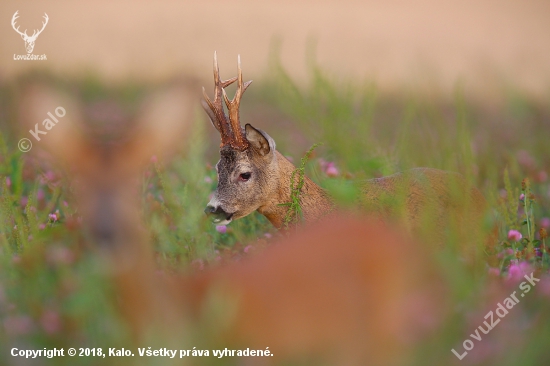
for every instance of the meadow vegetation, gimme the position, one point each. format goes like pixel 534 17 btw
pixel 53 293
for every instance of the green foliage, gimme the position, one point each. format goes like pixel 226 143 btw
pixel 294 213
pixel 50 280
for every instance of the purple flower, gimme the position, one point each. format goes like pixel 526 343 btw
pixel 329 168
pixel 53 217
pixel 222 229
pixel 545 222
pixel 514 235
pixel 516 271
pixel 521 197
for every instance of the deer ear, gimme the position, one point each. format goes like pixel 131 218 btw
pixel 260 141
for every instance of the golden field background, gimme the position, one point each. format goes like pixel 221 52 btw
pixel 424 44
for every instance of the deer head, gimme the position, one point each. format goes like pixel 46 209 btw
pixel 247 169
pixel 29 40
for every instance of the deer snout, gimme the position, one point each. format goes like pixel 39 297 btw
pixel 217 214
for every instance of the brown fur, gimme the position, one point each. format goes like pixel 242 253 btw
pixel 347 290
pixel 412 197
pixel 314 201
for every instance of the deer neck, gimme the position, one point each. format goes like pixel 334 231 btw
pixel 314 201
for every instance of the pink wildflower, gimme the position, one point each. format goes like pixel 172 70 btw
pixel 521 197
pixel 545 222
pixel 49 175
pixel 50 321
pixel 53 217
pixel 154 159
pixel 331 170
pixel 514 235
pixel 494 271
pixel 40 194
pixel 222 229
pixel 41 226
pixel 18 325
pixel 23 201
pixel 517 271
pixel 248 248
pixel 525 159
pixel 8 181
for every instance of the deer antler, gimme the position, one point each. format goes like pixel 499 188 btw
pixel 214 109
pixel 34 35
pixel 15 16
pixel 240 142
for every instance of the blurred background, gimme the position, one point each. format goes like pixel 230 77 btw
pixel 421 44
pixel 383 85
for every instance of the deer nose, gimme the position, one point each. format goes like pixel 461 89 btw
pixel 209 210
pixel 217 213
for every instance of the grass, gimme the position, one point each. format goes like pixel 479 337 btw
pixel 53 292
pixel 294 213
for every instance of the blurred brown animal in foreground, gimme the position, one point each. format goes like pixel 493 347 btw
pixel 346 291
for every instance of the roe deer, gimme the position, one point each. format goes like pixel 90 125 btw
pixel 310 301
pixel 105 165
pixel 253 175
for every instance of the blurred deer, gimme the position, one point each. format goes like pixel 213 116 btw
pixel 254 176
pixel 105 164
pixel 347 290
pixel 29 40
pixel 343 291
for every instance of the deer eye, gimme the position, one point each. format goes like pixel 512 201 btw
pixel 244 176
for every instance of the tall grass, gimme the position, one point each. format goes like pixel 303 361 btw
pixel 52 292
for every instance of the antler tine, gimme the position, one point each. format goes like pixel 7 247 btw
pixel 13 19
pixel 217 80
pixel 216 111
pixel 46 18
pixel 240 141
